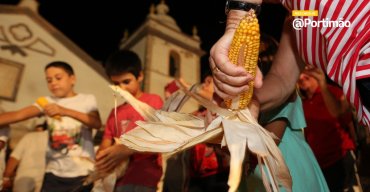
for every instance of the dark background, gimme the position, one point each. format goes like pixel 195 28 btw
pixel 98 26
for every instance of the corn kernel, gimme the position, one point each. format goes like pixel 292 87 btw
pixel 245 47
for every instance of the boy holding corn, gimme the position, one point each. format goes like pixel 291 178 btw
pixel 70 118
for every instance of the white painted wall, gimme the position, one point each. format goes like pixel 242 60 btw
pixel 33 84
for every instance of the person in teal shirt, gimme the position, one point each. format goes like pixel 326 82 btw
pixel 287 122
pixel 304 169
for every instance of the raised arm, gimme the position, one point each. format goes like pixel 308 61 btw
pixel 281 80
pixel 229 79
pixel 336 106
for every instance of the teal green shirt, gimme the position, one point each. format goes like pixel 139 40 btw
pixel 304 169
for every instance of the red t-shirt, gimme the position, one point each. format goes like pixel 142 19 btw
pixel 204 158
pixel 325 134
pixel 143 169
pixel 204 161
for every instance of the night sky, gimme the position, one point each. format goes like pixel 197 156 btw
pixel 98 26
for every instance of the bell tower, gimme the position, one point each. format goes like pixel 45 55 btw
pixel 165 51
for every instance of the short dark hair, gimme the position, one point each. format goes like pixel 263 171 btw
pixel 60 64
pixel 123 61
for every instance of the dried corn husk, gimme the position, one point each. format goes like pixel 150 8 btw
pixel 171 132
pixel 105 182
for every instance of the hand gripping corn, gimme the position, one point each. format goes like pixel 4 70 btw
pixel 244 51
pixel 42 101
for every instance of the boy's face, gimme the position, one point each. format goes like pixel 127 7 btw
pixel 307 83
pixel 128 82
pixel 59 82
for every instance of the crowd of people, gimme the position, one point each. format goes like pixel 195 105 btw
pixel 306 89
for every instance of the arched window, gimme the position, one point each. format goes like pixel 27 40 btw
pixel 174 69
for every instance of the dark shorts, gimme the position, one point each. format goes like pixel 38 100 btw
pixel 53 183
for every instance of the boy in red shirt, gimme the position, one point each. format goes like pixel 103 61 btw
pixel 143 171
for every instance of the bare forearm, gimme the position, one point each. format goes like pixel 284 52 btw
pixel 20 115
pixel 281 80
pixel 104 144
pixel 10 117
pixel 277 127
pixel 91 120
pixel 233 19
pixel 234 16
pixel 273 92
pixel 11 166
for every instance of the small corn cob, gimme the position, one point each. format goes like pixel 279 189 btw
pixel 244 51
pixel 42 101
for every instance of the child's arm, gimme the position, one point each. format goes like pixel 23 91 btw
pixel 109 133
pixel 20 115
pixel 111 157
pixel 91 119
pixel 104 144
pixel 8 175
pixel 277 127
pixel 335 102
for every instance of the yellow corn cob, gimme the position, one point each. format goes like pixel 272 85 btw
pixel 42 101
pixel 244 51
